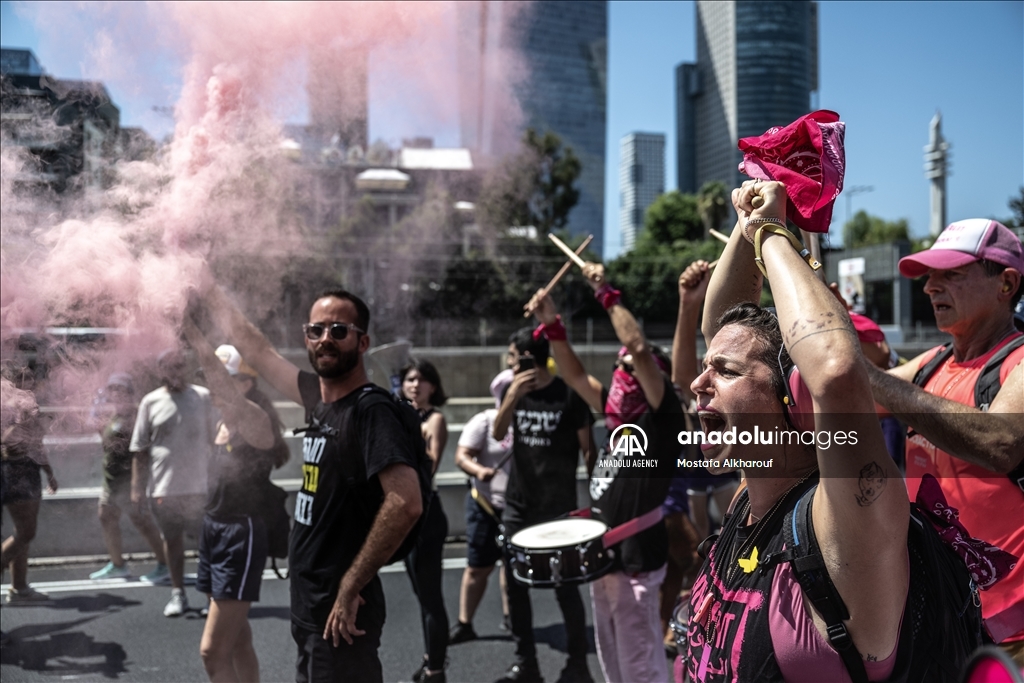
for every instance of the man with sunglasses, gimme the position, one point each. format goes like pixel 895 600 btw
pixel 360 495
pixel 641 408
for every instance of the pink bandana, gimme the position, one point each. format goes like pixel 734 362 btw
pixel 626 400
pixel 986 563
pixel 809 157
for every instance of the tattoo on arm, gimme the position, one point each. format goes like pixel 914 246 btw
pixel 871 482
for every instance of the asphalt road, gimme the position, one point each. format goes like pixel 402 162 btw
pixel 116 631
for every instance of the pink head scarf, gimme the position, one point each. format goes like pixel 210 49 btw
pixel 809 157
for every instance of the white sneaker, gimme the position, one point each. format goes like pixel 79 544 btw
pixel 177 604
pixel 26 595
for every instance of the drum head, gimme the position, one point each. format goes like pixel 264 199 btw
pixel 559 533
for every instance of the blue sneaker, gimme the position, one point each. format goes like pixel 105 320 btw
pixel 161 576
pixel 112 571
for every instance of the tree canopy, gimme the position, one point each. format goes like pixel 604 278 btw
pixel 864 229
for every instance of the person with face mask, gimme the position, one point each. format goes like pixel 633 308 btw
pixel 171 446
pixel 630 482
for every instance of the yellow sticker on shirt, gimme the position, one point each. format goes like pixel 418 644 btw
pixel 749 564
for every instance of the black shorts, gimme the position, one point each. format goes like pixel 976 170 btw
pixel 22 480
pixel 232 555
pixel 482 548
pixel 320 662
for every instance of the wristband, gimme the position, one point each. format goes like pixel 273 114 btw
pixel 608 296
pixel 553 332
pixel 777 229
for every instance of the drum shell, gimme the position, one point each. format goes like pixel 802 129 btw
pixel 553 567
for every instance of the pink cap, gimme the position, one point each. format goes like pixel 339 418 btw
pixel 867 330
pixel 965 242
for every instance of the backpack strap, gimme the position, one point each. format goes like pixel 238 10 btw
pixel 929 368
pixel 811 573
pixel 988 384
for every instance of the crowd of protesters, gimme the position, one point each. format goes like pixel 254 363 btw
pixel 891 555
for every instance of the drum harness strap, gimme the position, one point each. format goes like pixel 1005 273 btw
pixel 626 529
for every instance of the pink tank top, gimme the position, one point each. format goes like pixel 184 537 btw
pixel 803 655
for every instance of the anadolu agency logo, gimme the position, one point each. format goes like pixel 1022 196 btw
pixel 628 441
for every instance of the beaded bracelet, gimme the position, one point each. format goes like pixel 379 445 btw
pixel 553 332
pixel 774 228
pixel 607 295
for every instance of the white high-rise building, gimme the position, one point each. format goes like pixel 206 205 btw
pixel 641 180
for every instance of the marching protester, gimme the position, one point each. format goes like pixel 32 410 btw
pixel 362 492
pixel 22 486
pixel 819 572
pixel 486 460
pixel 683 536
pixel 171 447
pixel 421 386
pixel 640 399
pixel 118 407
pixel 551 424
pixel 233 545
pixel 964 401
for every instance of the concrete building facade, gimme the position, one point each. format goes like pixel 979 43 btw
pixel 757 67
pixel 641 180
pixel 544 66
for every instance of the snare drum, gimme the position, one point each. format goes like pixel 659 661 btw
pixel 561 552
pixel 679 623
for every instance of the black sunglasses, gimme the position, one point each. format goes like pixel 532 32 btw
pixel 619 363
pixel 337 331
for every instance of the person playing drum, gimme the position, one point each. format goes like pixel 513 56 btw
pixel 550 425
pixel 632 478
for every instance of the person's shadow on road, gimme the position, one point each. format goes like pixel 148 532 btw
pixel 102 602
pixel 39 647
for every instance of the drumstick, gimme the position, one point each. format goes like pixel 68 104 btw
pixel 718 236
pixel 561 271
pixel 568 252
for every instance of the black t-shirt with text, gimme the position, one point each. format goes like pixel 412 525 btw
pixel 621 493
pixel 546 446
pixel 341 493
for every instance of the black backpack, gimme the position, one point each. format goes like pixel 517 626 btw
pixel 985 389
pixel 942 619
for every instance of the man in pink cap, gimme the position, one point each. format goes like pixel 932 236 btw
pixel 964 401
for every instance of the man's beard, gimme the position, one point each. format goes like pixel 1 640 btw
pixel 344 363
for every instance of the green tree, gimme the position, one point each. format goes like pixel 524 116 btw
pixel 713 204
pixel 1016 205
pixel 864 229
pixel 673 216
pixel 535 187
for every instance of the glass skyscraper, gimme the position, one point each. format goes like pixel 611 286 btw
pixel 554 55
pixel 757 67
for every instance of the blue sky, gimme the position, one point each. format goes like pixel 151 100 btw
pixel 886 67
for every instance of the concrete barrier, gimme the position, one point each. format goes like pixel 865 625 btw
pixel 69 526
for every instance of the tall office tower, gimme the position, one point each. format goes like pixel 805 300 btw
pixel 540 65
pixel 337 86
pixel 757 67
pixel 641 180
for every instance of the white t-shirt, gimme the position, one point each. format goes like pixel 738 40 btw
pixel 477 434
pixel 178 430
